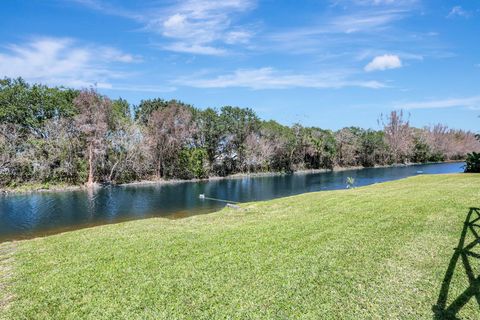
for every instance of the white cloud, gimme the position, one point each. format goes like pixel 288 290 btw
pixel 113 10
pixel 269 78
pixel 385 2
pixel 62 61
pixel 469 102
pixel 193 26
pixel 342 32
pixel 201 26
pixel 458 11
pixel 365 21
pixel 357 22
pixel 110 54
pixel 403 55
pixel 136 88
pixel 195 49
pixel 375 3
pixel 240 36
pixel 384 62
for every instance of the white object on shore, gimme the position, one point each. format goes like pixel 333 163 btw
pixel 233 206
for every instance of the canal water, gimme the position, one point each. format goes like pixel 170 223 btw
pixel 36 214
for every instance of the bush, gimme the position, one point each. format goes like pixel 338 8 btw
pixel 192 164
pixel 473 162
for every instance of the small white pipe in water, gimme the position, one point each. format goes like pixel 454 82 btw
pixel 202 197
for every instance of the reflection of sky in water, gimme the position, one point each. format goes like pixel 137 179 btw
pixel 21 215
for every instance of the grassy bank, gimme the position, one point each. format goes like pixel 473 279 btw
pixel 29 187
pixel 377 252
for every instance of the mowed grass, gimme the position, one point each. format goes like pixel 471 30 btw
pixel 376 252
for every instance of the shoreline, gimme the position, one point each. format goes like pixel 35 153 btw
pixel 39 188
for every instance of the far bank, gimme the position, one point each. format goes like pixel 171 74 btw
pixel 24 188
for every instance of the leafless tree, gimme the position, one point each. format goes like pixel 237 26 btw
pixel 91 121
pixel 127 156
pixel 258 152
pixel 169 129
pixel 398 135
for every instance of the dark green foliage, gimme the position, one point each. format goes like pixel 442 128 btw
pixel 318 147
pixel 146 107
pixel 143 111
pixel 120 113
pixel 29 106
pixel 210 132
pixel 473 162
pixel 238 123
pixel 283 138
pixel 193 163
pixel 373 149
pixel 421 151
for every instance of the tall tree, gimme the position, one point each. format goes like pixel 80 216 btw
pixel 398 135
pixel 348 146
pixel 169 129
pixel 92 122
pixel 239 123
pixel 210 132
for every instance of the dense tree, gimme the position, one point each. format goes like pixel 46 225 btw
pixel 373 149
pixel 210 132
pixel 147 107
pixel 238 124
pixel 283 142
pixel 63 135
pixel 29 106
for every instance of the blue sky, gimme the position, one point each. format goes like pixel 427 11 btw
pixel 321 63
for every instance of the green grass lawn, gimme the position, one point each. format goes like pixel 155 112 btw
pixel 376 252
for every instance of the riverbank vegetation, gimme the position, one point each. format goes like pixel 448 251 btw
pixel 473 162
pixel 396 250
pixel 65 136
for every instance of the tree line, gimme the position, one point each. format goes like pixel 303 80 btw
pixel 62 135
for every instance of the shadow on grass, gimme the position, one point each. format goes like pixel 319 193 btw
pixel 463 257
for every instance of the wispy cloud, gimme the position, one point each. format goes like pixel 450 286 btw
pixel 358 22
pixel 106 8
pixel 366 21
pixel 468 102
pixel 384 62
pixel 63 61
pixel 395 3
pixel 269 78
pixel 203 27
pixel 403 55
pixel 345 31
pixel 136 88
pixel 458 11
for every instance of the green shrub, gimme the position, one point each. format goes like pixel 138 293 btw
pixel 473 162
pixel 192 163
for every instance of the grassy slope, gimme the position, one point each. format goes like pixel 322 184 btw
pixel 377 252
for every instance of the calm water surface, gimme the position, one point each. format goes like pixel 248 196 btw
pixel 30 215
